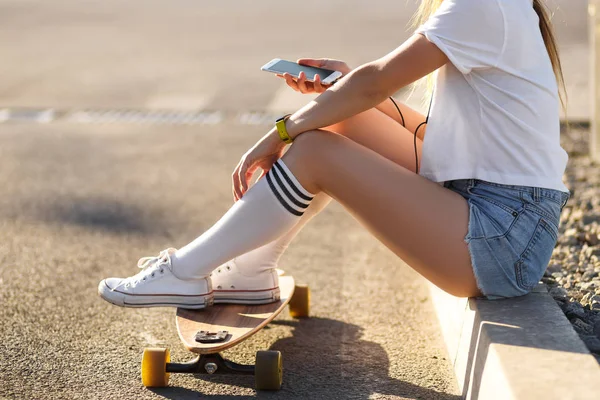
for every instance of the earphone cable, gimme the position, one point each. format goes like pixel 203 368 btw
pixel 416 130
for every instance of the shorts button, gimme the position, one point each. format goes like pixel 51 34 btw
pixel 515 213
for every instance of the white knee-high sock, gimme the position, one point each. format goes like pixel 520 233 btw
pixel 267 256
pixel 268 210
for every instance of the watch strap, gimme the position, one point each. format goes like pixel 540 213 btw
pixel 282 130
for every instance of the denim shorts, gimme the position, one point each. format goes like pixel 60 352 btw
pixel 512 233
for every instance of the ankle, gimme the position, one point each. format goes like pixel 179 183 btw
pixel 180 272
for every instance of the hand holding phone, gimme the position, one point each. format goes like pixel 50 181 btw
pixel 308 75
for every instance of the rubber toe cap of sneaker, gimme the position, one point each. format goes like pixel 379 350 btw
pixel 105 290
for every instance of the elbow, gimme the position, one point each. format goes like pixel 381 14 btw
pixel 369 79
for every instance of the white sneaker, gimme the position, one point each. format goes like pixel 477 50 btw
pixel 232 287
pixel 157 286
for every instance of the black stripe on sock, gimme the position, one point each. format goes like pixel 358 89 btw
pixel 289 181
pixel 281 200
pixel 286 192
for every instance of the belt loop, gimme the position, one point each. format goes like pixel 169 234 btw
pixel 536 194
pixel 566 196
pixel 471 183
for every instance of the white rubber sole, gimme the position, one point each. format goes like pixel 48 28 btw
pixel 249 297
pixel 192 302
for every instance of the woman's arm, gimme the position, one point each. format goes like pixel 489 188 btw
pixel 362 89
pixel 369 85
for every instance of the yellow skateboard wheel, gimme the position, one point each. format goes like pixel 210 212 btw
pixel 154 367
pixel 300 302
pixel 268 372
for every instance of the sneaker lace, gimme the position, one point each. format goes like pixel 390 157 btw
pixel 150 265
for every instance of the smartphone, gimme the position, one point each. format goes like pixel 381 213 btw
pixel 279 66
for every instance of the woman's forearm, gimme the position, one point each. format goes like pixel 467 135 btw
pixel 369 85
pixel 355 93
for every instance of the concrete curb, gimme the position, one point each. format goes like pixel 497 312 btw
pixel 520 348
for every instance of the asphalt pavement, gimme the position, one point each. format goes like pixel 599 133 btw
pixel 83 201
pixel 81 205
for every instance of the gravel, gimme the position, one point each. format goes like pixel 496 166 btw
pixel 573 275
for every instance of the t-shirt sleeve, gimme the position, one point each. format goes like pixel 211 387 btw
pixel 470 32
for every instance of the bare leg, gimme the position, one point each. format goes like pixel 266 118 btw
pixel 369 174
pixel 408 213
pixel 372 129
pixel 380 133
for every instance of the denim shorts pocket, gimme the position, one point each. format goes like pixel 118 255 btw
pixel 530 267
pixel 547 209
pixel 507 199
pixel 500 210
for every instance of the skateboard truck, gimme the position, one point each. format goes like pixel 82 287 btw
pixel 211 337
pixel 210 364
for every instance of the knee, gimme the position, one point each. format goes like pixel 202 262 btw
pixel 315 143
pixel 310 152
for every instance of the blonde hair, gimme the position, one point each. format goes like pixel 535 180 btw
pixel 428 7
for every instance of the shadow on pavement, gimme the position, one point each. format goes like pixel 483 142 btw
pixel 324 359
pixel 104 214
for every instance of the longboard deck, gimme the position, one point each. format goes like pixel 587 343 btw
pixel 240 321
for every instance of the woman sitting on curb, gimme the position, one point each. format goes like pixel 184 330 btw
pixel 478 216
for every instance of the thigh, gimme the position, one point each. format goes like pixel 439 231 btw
pixel 380 133
pixel 421 221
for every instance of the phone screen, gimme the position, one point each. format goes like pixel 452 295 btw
pixel 294 69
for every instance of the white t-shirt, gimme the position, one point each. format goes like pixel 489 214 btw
pixel 495 110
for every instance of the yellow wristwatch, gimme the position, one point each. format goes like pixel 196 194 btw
pixel 283 133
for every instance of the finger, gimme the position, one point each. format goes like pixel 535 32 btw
pixel 234 174
pixel 248 179
pixel 242 187
pixel 302 83
pixel 290 82
pixel 234 184
pixel 237 194
pixel 244 176
pixel 313 62
pixel 317 84
pixel 237 179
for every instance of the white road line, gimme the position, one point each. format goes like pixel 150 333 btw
pixel 178 102
pixel 171 117
pixel 42 116
pixel 184 110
